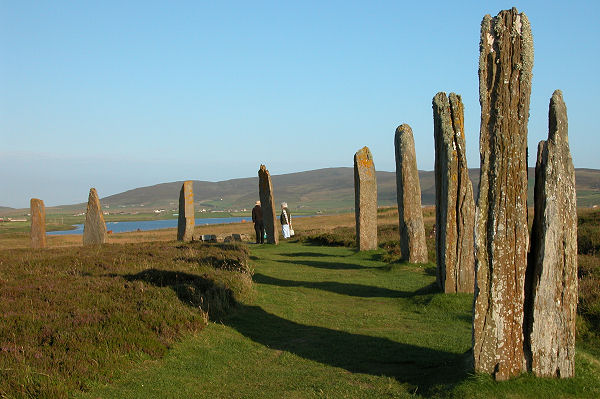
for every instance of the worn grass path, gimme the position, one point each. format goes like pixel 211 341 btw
pixel 333 323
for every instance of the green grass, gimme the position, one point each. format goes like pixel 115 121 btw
pixel 328 322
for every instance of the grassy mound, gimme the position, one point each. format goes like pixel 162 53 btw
pixel 69 317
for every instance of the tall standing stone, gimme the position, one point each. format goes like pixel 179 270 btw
pixel 410 213
pixel 186 218
pixel 267 203
pixel 365 200
pixel 501 238
pixel 38 223
pixel 551 306
pixel 94 230
pixel 454 203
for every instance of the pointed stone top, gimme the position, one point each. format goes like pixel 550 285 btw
pixel 557 119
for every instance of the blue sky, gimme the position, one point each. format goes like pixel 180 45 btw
pixel 118 95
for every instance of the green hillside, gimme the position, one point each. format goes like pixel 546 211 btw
pixel 326 190
pixel 322 189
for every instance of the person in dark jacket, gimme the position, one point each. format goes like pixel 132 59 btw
pixel 259 227
pixel 286 221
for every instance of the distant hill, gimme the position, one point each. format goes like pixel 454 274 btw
pixel 322 189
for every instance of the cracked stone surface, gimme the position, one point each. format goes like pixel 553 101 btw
pixel 454 203
pixel 501 237
pixel 552 271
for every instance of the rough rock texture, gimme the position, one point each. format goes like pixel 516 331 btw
pixel 410 213
pixel 94 230
pixel 186 219
pixel 454 203
pixel 38 223
pixel 501 238
pixel 365 200
pixel 551 306
pixel 267 203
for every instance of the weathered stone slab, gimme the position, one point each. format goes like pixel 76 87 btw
pixel 38 223
pixel 186 219
pixel 94 230
pixel 365 200
pixel 410 213
pixel 208 238
pixel 454 203
pixel 501 238
pixel 233 238
pixel 267 201
pixel 551 306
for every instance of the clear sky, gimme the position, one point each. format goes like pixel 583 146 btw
pixel 122 94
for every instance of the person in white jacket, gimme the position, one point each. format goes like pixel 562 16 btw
pixel 286 221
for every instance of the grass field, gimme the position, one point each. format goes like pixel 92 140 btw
pixel 319 321
pixel 331 322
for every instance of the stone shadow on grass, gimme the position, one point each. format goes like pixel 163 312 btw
pixel 427 371
pixel 310 254
pixel 193 290
pixel 328 265
pixel 357 290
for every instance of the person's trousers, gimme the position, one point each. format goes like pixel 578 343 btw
pixel 259 228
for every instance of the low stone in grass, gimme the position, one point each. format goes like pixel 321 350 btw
pixel 267 203
pixel 38 223
pixel 186 220
pixel 410 213
pixel 365 200
pixel 208 238
pixel 94 230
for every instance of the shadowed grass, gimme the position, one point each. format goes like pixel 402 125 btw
pixel 372 331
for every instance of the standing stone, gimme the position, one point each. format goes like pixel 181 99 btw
pixel 267 203
pixel 38 223
pixel 454 203
pixel 501 238
pixel 94 230
pixel 186 217
pixel 365 200
pixel 410 213
pixel 551 306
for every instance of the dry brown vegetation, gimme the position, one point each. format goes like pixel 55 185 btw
pixel 72 315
